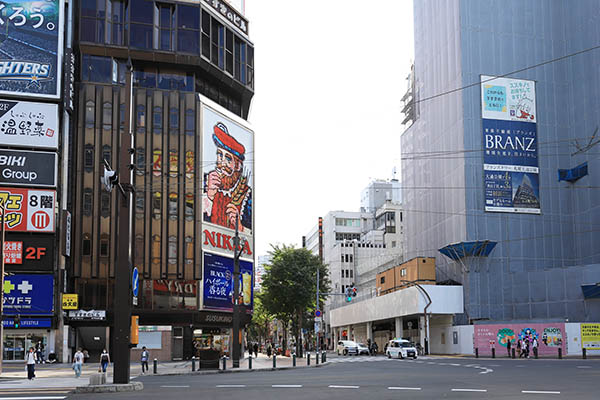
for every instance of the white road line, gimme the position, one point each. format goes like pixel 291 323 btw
pixel 402 388
pixel 343 387
pixel 455 365
pixel 583 366
pixel 175 386
pixel 286 386
pixel 539 392
pixel 35 398
pixel 469 390
pixel 231 386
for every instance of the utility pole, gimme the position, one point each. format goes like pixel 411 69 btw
pixel 321 317
pixel 2 287
pixel 122 299
pixel 235 352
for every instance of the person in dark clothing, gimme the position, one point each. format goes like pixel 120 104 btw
pixel 144 357
pixel 255 350
pixel 30 362
pixel 508 346
pixel 269 351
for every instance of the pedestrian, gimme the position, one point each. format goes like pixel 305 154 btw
pixel 78 362
pixel 30 363
pixel 39 350
pixel 527 348
pixel 104 361
pixel 256 350
pixel 535 346
pixel 144 357
pixel 269 350
pixel 519 344
pixel 508 346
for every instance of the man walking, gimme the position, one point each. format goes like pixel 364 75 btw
pixel 78 362
pixel 144 358
pixel 508 346
pixel 30 362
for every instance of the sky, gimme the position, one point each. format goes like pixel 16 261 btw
pixel 326 111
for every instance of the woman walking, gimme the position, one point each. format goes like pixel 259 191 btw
pixel 30 361
pixel 104 360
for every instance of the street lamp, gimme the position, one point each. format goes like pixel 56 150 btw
pixel 406 283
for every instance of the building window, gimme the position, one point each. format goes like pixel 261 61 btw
pixel 206 34
pixel 172 252
pixel 142 24
pixel 188 29
pixel 140 118
pixel 140 161
pixel 105 204
pixel 382 280
pixel 403 272
pixel 117 16
pixel 106 153
pixel 229 52
pixel 173 121
pixel 107 116
pixel 342 258
pixel 139 250
pixel 96 69
pixel 155 249
pixel 90 117
pixel 86 245
pixel 165 32
pixel 190 125
pixel 144 78
pixel 173 206
pixel 156 205
pixel 104 247
pixel 139 204
pixel 393 243
pixel 346 256
pixel 189 250
pixel 189 206
pixel 240 60
pixel 217 38
pixel 250 77
pixel 351 273
pixel 88 158
pixel 342 271
pixel 87 202
pixel 343 289
pixel 173 80
pixel 157 120
pixel 350 257
pixel 93 13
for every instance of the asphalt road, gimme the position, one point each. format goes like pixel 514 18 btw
pixel 379 378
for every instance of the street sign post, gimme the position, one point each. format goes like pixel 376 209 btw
pixel 318 313
pixel 135 285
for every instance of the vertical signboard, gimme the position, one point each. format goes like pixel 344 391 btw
pixel 31 36
pixel 510 158
pixel 218 283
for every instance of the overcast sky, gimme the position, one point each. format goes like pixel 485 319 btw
pixel 326 113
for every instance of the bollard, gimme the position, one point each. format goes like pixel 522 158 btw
pixel 513 353
pixel 583 353
pixel 323 357
pixel 200 363
pixel 560 353
pixel 250 361
pixel 224 363
pixel 535 353
pixel 294 360
pixel 307 358
pixel 476 352
pixel 317 358
pixel 493 352
pixel 274 360
pixel 155 366
pixel 193 364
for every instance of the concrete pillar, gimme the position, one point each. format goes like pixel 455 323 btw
pixel 370 331
pixel 422 331
pixel 398 325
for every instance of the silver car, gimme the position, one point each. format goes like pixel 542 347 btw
pixel 346 347
pixel 363 349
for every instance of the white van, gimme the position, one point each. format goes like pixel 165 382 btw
pixel 401 348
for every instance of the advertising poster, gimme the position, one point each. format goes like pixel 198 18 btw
pixel 31 48
pixel 218 283
pixel 170 294
pixel 26 252
pixel 510 156
pixel 28 168
pixel 27 124
pixel 28 294
pixel 590 336
pixel 228 159
pixel 28 210
pixel 549 337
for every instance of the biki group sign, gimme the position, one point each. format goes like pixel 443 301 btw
pixel 28 210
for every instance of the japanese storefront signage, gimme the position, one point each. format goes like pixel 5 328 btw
pixel 31 48
pixel 29 323
pixel 590 336
pixel 26 252
pixel 94 315
pixel 510 156
pixel 28 168
pixel 28 210
pixel 70 301
pixel 218 283
pixel 28 294
pixel 28 124
pixel 230 13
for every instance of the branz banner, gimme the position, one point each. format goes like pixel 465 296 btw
pixel 31 47
pixel 510 158
pixel 28 168
pixel 28 210
pixel 28 295
pixel 218 283
pixel 27 124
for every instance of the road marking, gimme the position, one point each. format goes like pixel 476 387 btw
pixel 286 386
pixel 402 388
pixel 583 366
pixel 469 390
pixel 539 392
pixel 35 398
pixel 429 362
pixel 231 386
pixel 455 365
pixel 175 386
pixel 343 387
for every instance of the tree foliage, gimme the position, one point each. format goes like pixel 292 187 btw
pixel 289 287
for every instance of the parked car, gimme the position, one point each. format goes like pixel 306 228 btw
pixel 346 347
pixel 401 348
pixel 362 349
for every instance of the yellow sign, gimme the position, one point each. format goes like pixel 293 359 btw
pixel 135 338
pixel 70 301
pixel 590 336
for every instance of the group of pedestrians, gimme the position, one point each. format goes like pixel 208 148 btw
pixel 524 346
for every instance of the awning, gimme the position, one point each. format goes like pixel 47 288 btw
pixel 479 248
pixel 591 291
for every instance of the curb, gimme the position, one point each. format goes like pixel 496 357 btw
pixel 110 388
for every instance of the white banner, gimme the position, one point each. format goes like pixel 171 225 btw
pixel 508 99
pixel 28 124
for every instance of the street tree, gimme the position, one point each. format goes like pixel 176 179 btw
pixel 289 287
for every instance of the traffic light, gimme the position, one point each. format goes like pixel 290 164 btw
pixel 348 294
pixel 354 291
pixel 17 321
pixel 109 179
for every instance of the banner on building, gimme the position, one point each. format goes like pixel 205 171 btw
pixel 549 337
pixel 590 336
pixel 28 168
pixel 31 253
pixel 28 294
pixel 28 124
pixel 510 157
pixel 218 283
pixel 31 48
pixel 28 210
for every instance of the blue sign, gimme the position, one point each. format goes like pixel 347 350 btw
pixel 29 323
pixel 135 281
pixel 28 294
pixel 510 143
pixel 218 282
pixel 494 98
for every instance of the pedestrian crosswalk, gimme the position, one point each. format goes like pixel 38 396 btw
pixel 30 393
pixel 352 359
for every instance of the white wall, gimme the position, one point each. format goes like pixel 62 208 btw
pixel 465 339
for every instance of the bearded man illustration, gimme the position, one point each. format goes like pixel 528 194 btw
pixel 227 194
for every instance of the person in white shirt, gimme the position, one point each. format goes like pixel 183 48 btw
pixel 78 362
pixel 30 361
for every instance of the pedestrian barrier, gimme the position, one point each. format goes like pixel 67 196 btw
pixel 324 357
pixel 535 353
pixel 224 363
pixel 193 364
pixel 476 352
pixel 560 353
pixel 250 361
pixel 274 361
pixel 493 352
pixel 307 358
pixel 317 358
pixel 513 353
pixel 583 354
pixel 155 366
pixel 294 360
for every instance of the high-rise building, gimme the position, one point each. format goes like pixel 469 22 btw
pixel 482 157
pixel 193 170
